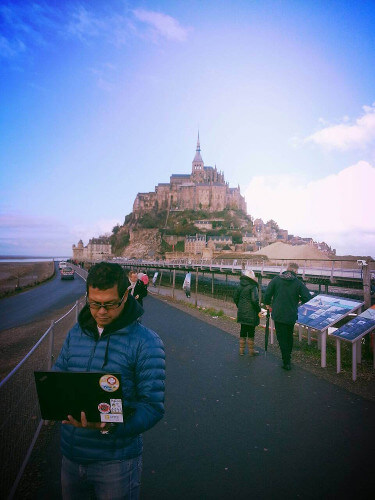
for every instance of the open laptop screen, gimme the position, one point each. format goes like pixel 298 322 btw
pixel 99 395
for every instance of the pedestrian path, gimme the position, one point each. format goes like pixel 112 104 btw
pixel 199 300
pixel 240 427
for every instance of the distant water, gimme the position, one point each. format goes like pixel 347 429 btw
pixel 20 258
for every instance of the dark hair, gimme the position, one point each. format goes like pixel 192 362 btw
pixel 106 275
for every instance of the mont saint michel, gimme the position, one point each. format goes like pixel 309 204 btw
pixel 204 189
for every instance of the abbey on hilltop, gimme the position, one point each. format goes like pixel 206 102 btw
pixel 204 189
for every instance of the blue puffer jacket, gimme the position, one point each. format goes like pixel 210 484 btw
pixel 125 347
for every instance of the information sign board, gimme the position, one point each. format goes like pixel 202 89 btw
pixel 323 311
pixel 357 327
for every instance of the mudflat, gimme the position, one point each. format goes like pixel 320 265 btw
pixel 19 275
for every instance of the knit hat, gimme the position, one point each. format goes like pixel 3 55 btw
pixel 250 274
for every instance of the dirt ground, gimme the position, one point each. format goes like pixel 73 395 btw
pixel 16 276
pixel 16 342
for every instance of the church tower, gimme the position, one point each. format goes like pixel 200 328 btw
pixel 198 165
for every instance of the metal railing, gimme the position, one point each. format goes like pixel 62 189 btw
pixel 21 420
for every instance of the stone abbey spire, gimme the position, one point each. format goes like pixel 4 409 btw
pixel 197 165
pixel 205 188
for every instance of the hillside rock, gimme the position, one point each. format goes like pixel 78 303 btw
pixel 144 243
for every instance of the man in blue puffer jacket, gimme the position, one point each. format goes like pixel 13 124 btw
pixel 104 460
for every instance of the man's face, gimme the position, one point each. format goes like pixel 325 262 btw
pixel 104 316
pixel 133 277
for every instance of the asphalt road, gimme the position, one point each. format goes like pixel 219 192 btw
pixel 240 427
pixel 32 304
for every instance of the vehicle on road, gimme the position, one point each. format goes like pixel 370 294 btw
pixel 67 273
pixel 62 264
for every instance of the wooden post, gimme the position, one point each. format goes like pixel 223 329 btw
pixel 359 351
pixel 174 281
pixel 366 277
pixel 161 277
pixel 323 354
pixel 338 355
pixel 196 288
pixel 212 284
pixel 354 361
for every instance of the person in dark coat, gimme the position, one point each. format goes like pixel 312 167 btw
pixel 284 293
pixel 246 299
pixel 137 288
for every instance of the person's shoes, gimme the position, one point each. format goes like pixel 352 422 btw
pixel 250 345
pixel 286 366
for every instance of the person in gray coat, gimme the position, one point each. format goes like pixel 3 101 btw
pixel 246 298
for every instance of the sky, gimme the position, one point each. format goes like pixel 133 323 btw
pixel 102 99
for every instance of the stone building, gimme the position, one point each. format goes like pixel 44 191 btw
pixel 195 244
pixel 205 188
pixel 97 249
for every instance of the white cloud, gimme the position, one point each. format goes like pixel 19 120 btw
pixel 345 136
pixel 162 24
pixel 10 49
pixel 84 24
pixel 336 209
pixel 99 228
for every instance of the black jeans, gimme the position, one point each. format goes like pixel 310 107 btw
pixel 284 333
pixel 247 331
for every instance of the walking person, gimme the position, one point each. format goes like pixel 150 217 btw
pixel 246 298
pixel 154 278
pixel 137 288
pixel 186 285
pixel 283 294
pixel 104 460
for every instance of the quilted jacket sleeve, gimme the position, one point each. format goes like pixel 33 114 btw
pixel 149 382
pixel 62 360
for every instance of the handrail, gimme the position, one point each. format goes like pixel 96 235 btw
pixel 66 314
pixel 25 358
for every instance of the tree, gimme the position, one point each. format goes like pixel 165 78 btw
pixel 271 223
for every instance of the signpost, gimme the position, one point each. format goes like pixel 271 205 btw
pixel 324 311
pixel 353 332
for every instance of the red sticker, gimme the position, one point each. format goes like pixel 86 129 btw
pixel 104 407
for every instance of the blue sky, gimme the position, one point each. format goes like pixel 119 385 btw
pixel 101 100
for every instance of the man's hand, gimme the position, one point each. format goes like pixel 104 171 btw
pixel 84 423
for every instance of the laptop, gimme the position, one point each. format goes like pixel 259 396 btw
pixel 99 395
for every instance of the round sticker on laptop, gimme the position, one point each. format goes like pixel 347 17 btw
pixel 109 383
pixel 104 407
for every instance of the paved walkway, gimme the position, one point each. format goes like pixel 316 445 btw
pixel 238 427
pixel 228 307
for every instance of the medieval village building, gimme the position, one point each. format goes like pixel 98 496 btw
pixel 97 249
